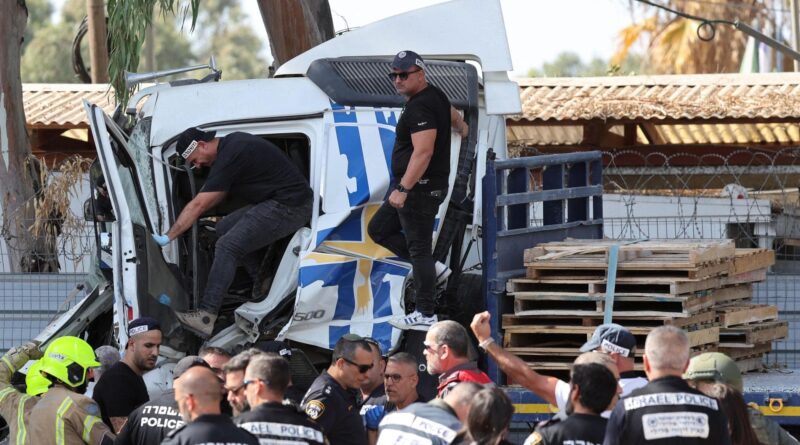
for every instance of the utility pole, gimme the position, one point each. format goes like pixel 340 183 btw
pixel 796 31
pixel 98 50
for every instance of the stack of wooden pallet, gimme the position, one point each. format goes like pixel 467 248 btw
pixel 703 287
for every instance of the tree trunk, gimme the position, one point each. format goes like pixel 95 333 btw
pixel 16 182
pixel 98 36
pixel 294 26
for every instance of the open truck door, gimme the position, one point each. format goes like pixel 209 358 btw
pixel 143 284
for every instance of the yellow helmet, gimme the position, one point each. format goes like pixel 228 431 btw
pixel 67 359
pixel 35 382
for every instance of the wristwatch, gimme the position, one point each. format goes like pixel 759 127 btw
pixel 400 188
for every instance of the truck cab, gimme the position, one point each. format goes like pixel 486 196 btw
pixel 332 111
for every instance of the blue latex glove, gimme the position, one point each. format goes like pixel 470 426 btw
pixel 162 240
pixel 373 417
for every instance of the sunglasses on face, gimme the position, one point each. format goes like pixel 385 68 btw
pixel 361 368
pixel 393 377
pixel 236 390
pixel 403 75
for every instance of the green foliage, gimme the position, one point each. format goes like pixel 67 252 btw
pixel 569 64
pixel 47 58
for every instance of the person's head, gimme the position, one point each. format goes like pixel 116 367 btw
pixel 666 352
pixel 144 341
pixel 351 361
pixel 197 392
pixel 374 377
pixel 186 363
pixel 460 398
pixel 234 379
pixel 216 358
pixel 710 367
pixel 606 361
pixel 401 379
pixel 489 416
pixel 733 405
pixel 108 356
pixel 67 360
pixel 592 388
pixel 266 379
pixel 197 147
pixel 35 382
pixel 446 346
pixel 615 341
pixel 408 73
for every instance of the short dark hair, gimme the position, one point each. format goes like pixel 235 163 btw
pixel 347 345
pixel 272 369
pixel 403 358
pixel 216 350
pixel 597 386
pixel 489 416
pixel 240 361
pixel 453 335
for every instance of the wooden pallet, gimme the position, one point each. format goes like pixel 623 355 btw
pixel 688 323
pixel 737 314
pixel 748 260
pixel 749 335
pixel 625 286
pixel 594 305
pixel 758 350
pixel 677 253
pixel 576 336
pixel 738 294
pixel 598 270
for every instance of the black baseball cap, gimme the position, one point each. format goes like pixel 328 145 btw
pixel 277 347
pixel 187 141
pixel 143 324
pixel 404 60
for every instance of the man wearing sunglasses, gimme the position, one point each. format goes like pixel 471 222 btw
pixel 234 379
pixel 420 172
pixel 331 400
pixel 400 381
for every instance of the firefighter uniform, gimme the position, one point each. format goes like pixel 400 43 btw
pixel 15 406
pixel 433 423
pixel 210 429
pixel 667 411
pixel 279 423
pixel 335 409
pixel 577 428
pixel 150 423
pixel 64 417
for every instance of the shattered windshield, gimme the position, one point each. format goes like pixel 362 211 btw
pixel 139 151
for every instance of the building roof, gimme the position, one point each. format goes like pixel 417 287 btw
pixel 60 106
pixel 700 96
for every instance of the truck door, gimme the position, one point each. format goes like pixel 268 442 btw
pixel 142 282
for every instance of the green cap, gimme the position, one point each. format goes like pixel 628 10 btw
pixel 715 366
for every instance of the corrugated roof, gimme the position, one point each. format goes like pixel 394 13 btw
pixel 61 105
pixel 701 96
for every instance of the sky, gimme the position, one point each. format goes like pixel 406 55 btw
pixel 538 30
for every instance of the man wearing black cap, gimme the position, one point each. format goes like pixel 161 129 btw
pixel 620 344
pixel 150 423
pixel 279 197
pixel 122 388
pixel 420 172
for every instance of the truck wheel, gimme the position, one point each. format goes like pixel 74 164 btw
pixel 467 300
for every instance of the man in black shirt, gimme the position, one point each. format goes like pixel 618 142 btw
pixel 269 419
pixel 331 399
pixel 372 390
pixel 667 410
pixel 592 386
pixel 253 169
pixel 121 389
pixel 198 393
pixel 150 423
pixel 420 173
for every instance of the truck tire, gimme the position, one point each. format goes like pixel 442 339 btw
pixel 468 299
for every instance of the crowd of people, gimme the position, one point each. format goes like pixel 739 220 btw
pixel 368 397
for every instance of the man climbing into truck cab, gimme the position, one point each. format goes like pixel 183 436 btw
pixel 280 202
pixel 420 172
